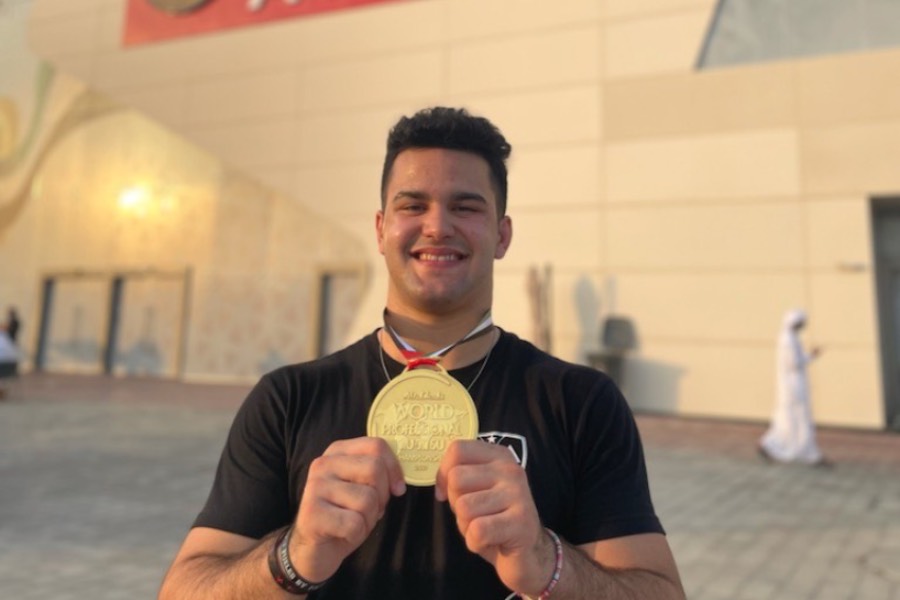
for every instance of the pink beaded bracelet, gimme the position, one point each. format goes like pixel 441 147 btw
pixel 557 569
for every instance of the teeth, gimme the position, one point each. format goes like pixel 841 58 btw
pixel 437 257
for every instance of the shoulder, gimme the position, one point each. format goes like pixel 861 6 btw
pixel 326 366
pixel 539 367
pixel 290 383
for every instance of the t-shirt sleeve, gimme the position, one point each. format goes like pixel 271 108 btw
pixel 612 489
pixel 249 494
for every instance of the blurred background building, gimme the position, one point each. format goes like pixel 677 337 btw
pixel 188 189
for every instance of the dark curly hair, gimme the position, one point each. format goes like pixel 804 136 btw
pixel 453 129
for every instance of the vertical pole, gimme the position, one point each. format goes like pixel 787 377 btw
pixel 325 281
pixel 112 331
pixel 181 358
pixel 47 288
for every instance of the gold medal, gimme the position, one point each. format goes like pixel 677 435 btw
pixel 418 413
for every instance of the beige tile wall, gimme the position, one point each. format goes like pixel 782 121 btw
pixel 562 116
pixel 166 105
pixel 691 103
pixel 866 91
pixel 69 34
pixel 50 9
pixel 859 158
pixel 844 381
pixel 838 234
pixel 844 304
pixel 749 164
pixel 527 61
pixel 633 9
pixel 479 19
pixel 248 97
pixel 734 377
pixel 712 200
pixel 730 306
pixel 719 235
pixel 371 82
pixel 554 177
pixel 633 46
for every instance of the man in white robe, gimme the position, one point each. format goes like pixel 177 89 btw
pixel 792 436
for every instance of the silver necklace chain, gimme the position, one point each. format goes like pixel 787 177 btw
pixel 484 363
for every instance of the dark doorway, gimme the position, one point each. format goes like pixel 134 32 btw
pixel 886 229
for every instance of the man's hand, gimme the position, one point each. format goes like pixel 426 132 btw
pixel 495 512
pixel 346 493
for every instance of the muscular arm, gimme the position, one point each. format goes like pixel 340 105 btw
pixel 214 564
pixel 488 492
pixel 628 568
pixel 346 493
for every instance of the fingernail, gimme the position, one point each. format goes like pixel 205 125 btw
pixel 439 494
pixel 399 488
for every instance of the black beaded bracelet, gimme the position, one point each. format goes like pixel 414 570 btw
pixel 284 573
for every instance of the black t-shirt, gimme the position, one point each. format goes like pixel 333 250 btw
pixel 569 426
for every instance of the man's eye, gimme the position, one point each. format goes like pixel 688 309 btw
pixel 412 208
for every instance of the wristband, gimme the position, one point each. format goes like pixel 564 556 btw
pixel 284 573
pixel 557 568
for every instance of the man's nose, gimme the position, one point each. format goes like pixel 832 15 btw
pixel 438 222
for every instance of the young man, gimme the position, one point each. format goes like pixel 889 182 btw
pixel 552 499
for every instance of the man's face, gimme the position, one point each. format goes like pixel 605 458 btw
pixel 439 232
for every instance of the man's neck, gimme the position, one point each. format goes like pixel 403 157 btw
pixel 429 333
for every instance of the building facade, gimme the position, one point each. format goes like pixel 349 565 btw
pixel 674 163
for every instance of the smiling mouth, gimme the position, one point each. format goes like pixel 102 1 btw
pixel 442 257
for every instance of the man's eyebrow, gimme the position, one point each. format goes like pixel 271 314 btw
pixel 469 196
pixel 409 195
pixel 417 195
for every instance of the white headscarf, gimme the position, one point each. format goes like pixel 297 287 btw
pixel 792 318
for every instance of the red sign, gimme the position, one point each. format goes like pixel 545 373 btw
pixel 152 20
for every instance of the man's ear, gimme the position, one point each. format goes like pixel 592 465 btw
pixel 505 231
pixel 379 230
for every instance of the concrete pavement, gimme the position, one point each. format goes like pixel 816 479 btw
pixel 100 479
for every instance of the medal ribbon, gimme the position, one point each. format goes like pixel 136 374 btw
pixel 414 358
